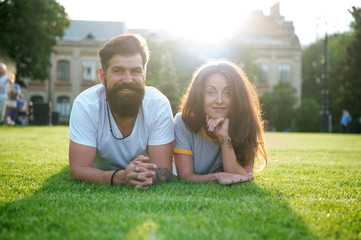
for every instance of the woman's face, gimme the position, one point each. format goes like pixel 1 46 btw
pixel 217 97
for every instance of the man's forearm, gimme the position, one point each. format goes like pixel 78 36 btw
pixel 91 175
pixel 94 175
pixel 162 175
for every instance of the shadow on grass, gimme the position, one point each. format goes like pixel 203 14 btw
pixel 62 209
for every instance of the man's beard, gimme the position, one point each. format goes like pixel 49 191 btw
pixel 125 105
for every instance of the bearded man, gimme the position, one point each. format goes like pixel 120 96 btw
pixel 121 132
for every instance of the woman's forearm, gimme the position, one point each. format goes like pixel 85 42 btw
pixel 207 178
pixel 229 159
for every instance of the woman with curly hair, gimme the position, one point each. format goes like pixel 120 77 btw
pixel 219 131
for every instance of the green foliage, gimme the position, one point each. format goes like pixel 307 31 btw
pixel 337 46
pixel 349 86
pixel 312 71
pixel 278 106
pixel 29 30
pixel 302 194
pixel 170 70
pixel 162 73
pixel 245 55
pixel 168 81
pixel 344 72
pixel 308 116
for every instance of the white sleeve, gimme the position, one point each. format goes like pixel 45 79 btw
pixel 81 127
pixel 162 132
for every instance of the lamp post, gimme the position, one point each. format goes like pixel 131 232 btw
pixel 325 118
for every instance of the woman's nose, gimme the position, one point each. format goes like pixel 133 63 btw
pixel 219 98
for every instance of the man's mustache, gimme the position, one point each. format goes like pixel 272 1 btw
pixel 124 86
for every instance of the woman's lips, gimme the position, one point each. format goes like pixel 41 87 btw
pixel 219 108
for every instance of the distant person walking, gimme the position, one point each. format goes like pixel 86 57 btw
pixel 11 103
pixel 22 111
pixel 345 120
pixel 4 82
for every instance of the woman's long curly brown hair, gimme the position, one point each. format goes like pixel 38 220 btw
pixel 245 120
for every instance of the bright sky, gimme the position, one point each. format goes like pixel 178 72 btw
pixel 211 20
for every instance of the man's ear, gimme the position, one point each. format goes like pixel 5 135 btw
pixel 145 73
pixel 101 76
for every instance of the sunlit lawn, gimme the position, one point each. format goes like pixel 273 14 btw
pixel 311 189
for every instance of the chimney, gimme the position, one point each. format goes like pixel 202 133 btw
pixel 275 11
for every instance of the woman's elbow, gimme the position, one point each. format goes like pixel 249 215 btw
pixel 184 176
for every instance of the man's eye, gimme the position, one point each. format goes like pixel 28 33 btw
pixel 137 71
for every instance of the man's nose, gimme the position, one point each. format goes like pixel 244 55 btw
pixel 127 77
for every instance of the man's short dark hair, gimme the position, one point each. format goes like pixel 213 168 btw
pixel 125 45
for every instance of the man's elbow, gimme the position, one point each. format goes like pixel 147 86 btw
pixel 73 177
pixel 74 174
pixel 163 175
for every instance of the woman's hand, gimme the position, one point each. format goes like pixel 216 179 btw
pixel 229 178
pixel 218 127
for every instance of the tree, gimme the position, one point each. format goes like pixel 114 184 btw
pixel 349 93
pixel 313 70
pixel 244 55
pixel 169 81
pixel 161 72
pixel 308 116
pixel 29 31
pixel 278 106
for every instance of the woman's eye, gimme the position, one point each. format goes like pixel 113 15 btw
pixel 227 93
pixel 211 93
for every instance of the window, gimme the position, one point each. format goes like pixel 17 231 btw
pixel 89 70
pixel 284 71
pixel 262 72
pixel 63 70
pixel 63 106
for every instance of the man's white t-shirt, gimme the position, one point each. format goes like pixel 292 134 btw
pixel 89 125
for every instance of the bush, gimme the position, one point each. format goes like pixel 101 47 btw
pixel 278 106
pixel 308 116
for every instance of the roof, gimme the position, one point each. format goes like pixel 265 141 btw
pixel 254 39
pixel 93 30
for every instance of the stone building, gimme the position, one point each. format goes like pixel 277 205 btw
pixel 75 63
pixel 278 53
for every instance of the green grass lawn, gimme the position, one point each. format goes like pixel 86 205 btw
pixel 311 189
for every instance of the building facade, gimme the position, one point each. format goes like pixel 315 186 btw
pixel 277 49
pixel 75 62
pixel 75 65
